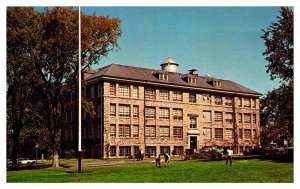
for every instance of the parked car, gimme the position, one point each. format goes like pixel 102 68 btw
pixel 24 161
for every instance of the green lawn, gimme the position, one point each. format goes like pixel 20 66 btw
pixel 242 171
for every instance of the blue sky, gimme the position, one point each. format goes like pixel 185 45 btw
pixel 222 42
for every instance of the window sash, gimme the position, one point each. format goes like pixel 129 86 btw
pixel 177 114
pixel 163 94
pixel 124 110
pixel 228 101
pixel 177 96
pixel 254 118
pixel 177 132
pixel 192 97
pixel 229 117
pixel 150 113
pixel 135 111
pixel 218 117
pixel 164 113
pixel 206 99
pixel 135 131
pixel 218 134
pixel 150 131
pixel 247 134
pixel 229 133
pixel 124 131
pixel 247 102
pixel 150 93
pixel 150 150
pixel 112 89
pixel 125 150
pixel 178 150
pixel 113 151
pixel 164 132
pixel 218 100
pixel 124 90
pixel 135 92
pixel 247 118
pixel 112 130
pixel 193 123
pixel 207 116
pixel 206 133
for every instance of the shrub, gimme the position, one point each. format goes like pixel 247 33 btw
pixel 69 154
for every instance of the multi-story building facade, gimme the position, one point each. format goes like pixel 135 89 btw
pixel 159 111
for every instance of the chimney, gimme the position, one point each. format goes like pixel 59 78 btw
pixel 169 65
pixel 193 71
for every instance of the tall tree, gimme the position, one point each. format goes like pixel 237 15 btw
pixel 277 108
pixel 23 26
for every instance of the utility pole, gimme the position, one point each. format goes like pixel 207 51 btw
pixel 79 91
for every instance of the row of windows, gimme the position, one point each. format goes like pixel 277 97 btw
pixel 150 150
pixel 164 113
pixel 127 131
pixel 246 134
pixel 150 94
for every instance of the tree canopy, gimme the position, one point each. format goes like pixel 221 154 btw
pixel 42 65
pixel 277 107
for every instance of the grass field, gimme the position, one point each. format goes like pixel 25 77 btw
pixel 242 171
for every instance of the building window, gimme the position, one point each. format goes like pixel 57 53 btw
pixel 164 132
pixel 254 118
pixel 164 94
pixel 135 91
pixel 165 149
pixel 218 100
pixel 112 89
pixel 177 114
pixel 99 90
pixel 150 113
pixel 241 134
pixel 192 80
pixel 206 116
pixel 124 130
pixel 239 101
pixel 218 133
pixel 253 103
pixel 192 98
pixel 163 76
pixel 92 92
pixel 229 118
pixel 135 131
pixel 124 90
pixel 254 133
pixel 218 117
pixel 150 93
pixel 206 133
pixel 135 111
pixel 228 101
pixel 247 118
pixel 113 150
pixel 124 110
pixel 177 132
pixel 164 113
pixel 112 130
pixel 247 134
pixel 125 150
pixel 177 96
pixel 112 110
pixel 240 118
pixel 193 122
pixel 247 102
pixel 150 151
pixel 206 99
pixel 229 133
pixel 150 131
pixel 178 150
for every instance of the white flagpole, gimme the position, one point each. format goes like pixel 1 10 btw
pixel 79 92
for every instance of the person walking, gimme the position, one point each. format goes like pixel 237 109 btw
pixel 139 155
pixel 228 154
pixel 157 161
pixel 167 159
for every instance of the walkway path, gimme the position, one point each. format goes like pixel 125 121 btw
pixel 117 162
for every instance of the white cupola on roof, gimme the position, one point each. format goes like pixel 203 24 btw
pixel 169 65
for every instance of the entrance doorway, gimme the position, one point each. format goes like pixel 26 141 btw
pixel 193 143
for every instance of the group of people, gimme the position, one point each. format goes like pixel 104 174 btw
pixel 167 160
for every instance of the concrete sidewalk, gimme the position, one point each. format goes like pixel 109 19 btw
pixel 119 162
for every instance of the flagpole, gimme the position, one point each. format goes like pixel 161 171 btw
pixel 79 92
